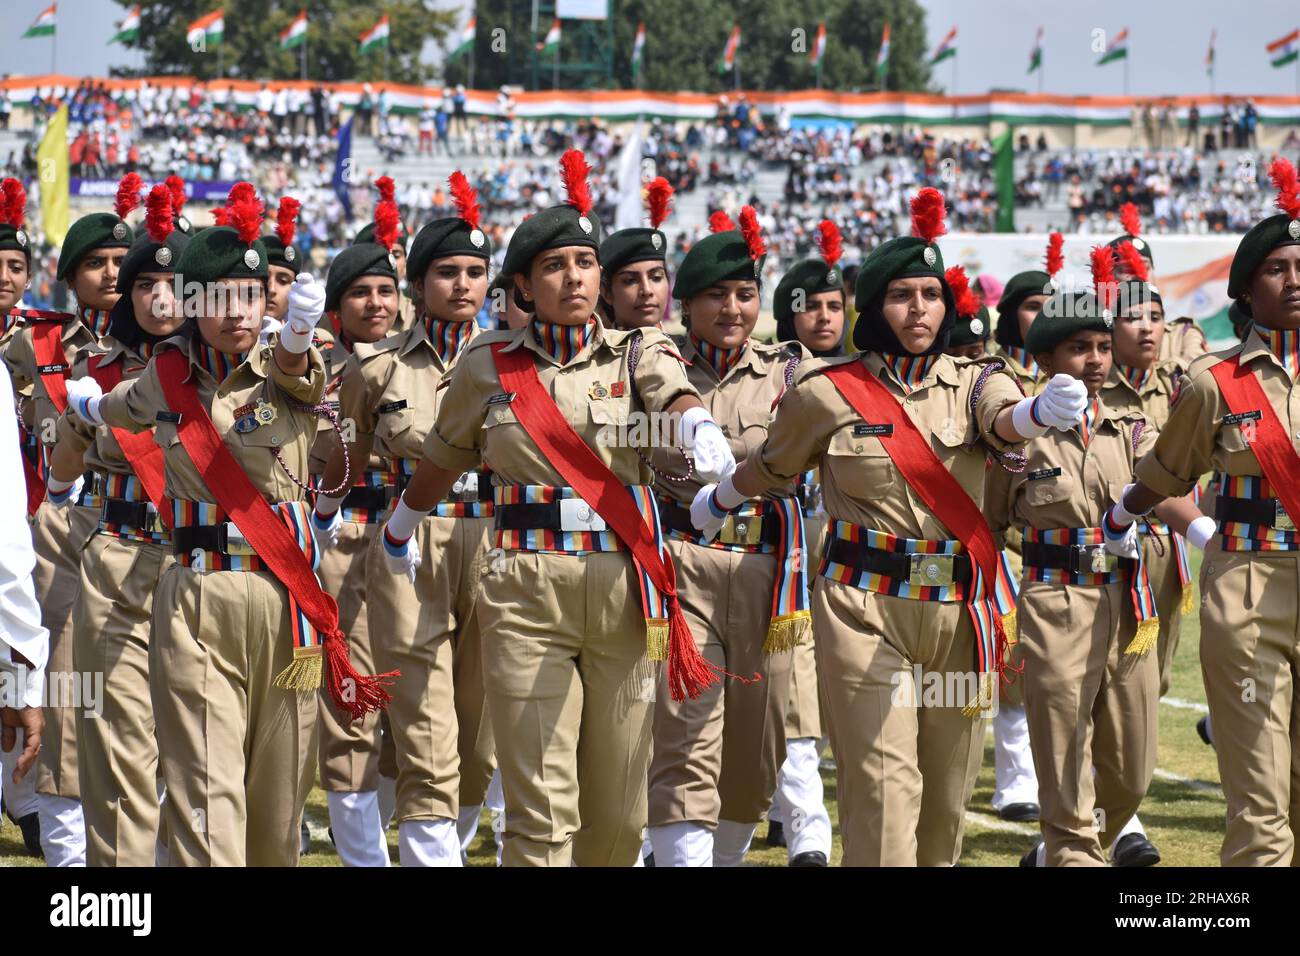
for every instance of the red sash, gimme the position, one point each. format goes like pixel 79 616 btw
pixel 141 451
pixel 912 455
pixel 1271 443
pixel 353 693
pixel 47 350
pixel 31 473
pixel 689 674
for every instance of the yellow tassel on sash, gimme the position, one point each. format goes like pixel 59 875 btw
pixel 787 630
pixel 983 706
pixel 656 638
pixel 1148 632
pixel 1189 600
pixel 1010 624
pixel 306 672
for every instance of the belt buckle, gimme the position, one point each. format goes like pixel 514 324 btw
pixel 236 543
pixel 152 522
pixel 1100 561
pixel 1281 520
pixel 931 570
pixel 577 515
pixel 466 487
pixel 740 530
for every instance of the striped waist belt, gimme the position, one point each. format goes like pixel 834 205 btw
pixel 125 510
pixel 206 541
pixel 753 527
pixel 915 568
pixel 1250 517
pixel 470 496
pixel 555 518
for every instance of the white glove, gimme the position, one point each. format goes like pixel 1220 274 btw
pixel 400 557
pixel 1201 530
pixel 702 436
pixel 83 399
pixel 1119 528
pixel 270 325
pixel 63 493
pixel 326 526
pixel 1060 405
pixel 306 306
pixel 711 505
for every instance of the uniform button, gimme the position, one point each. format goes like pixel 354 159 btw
pixel 501 416
pixel 1048 496
pixel 275 439
pixel 857 449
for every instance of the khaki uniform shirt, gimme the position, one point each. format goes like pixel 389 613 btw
pixel 1029 383
pixel 1153 400
pixel 476 421
pixel 1184 342
pixel 98 447
pixel 20 357
pixel 816 426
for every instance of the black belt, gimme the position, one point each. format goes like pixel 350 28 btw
pixel 369 498
pixel 676 517
pixel 205 537
pixel 528 517
pixel 131 514
pixel 1257 511
pixel 1075 558
pixel 891 564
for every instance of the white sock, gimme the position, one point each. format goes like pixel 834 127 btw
pixel 63 830
pixel 681 844
pixel 731 842
pixel 428 843
pixel 387 800
pixel 358 837
pixel 1013 762
pixel 1134 825
pixel 496 802
pixel 800 800
pixel 467 826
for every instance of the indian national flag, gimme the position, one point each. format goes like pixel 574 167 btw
pixel 295 34
pixel 376 36
pixel 207 30
pixel 1036 55
pixel 638 47
pixel 947 48
pixel 729 51
pixel 819 46
pixel 43 25
pixel 129 29
pixel 466 38
pixel 551 45
pixel 1209 55
pixel 1281 52
pixel 882 58
pixel 1117 50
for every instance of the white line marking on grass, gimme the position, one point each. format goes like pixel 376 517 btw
pixel 1181 704
pixel 975 818
pixel 1188 782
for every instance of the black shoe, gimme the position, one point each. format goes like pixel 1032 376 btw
pixel 1203 730
pixel 1031 858
pixel 30 826
pixel 1133 849
pixel 775 833
pixel 304 846
pixel 809 858
pixel 649 859
pixel 1019 812
pixel 330 831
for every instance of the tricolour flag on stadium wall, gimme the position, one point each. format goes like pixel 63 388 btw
pixel 1036 55
pixel 295 34
pixel 207 30
pixel 1209 55
pixel 728 60
pixel 638 48
pixel 551 45
pixel 819 46
pixel 882 58
pixel 375 37
pixel 1281 51
pixel 946 48
pixel 43 25
pixel 466 38
pixel 1117 49
pixel 128 31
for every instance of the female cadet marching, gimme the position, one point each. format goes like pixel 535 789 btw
pixel 400 249
pixel 39 358
pixel 809 305
pixel 568 682
pixel 242 633
pixel 634 289
pixel 391 393
pixel 123 562
pixel 901 433
pixel 1235 414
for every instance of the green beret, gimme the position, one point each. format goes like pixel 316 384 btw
pixel 16 239
pixel 968 331
pixel 1064 314
pixel 362 259
pixel 716 258
pixel 1141 245
pixel 278 254
pixel 451 236
pixel 1263 238
pixel 218 253
pixel 814 277
pixel 146 255
pixel 99 230
pixel 368 234
pixel 902 258
pixel 1018 288
pixel 551 228
pixel 639 244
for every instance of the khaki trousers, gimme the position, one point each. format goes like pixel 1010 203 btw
pixel 1090 707
pixel 1250 659
pixel 118 752
pixel 235 749
pixel 906 772
pixel 717 756
pixel 571 693
pixel 1162 569
pixel 803 716
pixel 430 632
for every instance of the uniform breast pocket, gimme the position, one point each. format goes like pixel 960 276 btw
pixel 860 463
pixel 754 422
pixel 275 434
pixel 394 422
pixel 1048 485
pixel 1238 459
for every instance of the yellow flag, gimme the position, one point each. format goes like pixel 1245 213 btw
pixel 52 173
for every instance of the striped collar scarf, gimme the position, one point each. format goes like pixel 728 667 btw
pixel 96 320
pixel 218 364
pixel 10 320
pixel 447 338
pixel 1088 423
pixel 144 349
pixel 562 342
pixel 1139 378
pixel 1285 345
pixel 720 360
pixel 910 370
pixel 1022 356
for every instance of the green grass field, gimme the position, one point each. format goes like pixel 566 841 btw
pixel 1183 812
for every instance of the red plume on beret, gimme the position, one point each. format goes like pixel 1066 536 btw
pixel 753 232
pixel 13 204
pixel 573 173
pixel 927 214
pixel 1055 260
pixel 177 187
pixel 286 216
pixel 245 213
pixel 128 194
pixel 658 194
pixel 465 198
pixel 387 188
pixel 1130 219
pixel 387 221
pixel 1103 275
pixel 721 222
pixel 221 216
pixel 830 242
pixel 968 304
pixel 1133 261
pixel 158 215
pixel 1283 177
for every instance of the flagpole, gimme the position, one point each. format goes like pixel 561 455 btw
pixel 54 47
pixel 304 56
pixel 471 63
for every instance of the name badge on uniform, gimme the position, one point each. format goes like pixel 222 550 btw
pixel 396 406
pixel 173 418
pixel 501 398
pixel 1236 418
pixel 1042 473
pixel 598 392
pixel 50 369
pixel 878 431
